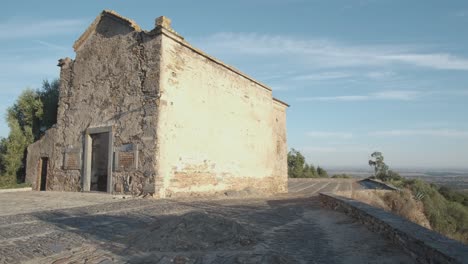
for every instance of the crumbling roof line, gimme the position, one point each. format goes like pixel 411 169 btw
pixel 168 33
pixel 280 102
pixel 110 13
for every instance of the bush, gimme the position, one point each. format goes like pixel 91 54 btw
pixel 298 167
pixel 404 204
pixel 341 176
pixel 447 217
pixel 454 196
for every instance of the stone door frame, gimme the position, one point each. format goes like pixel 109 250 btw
pixel 88 154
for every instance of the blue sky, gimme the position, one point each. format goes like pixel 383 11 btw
pixel 360 75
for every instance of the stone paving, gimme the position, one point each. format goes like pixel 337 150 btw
pixel 309 187
pixel 99 228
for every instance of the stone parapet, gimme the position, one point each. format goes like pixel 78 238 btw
pixel 425 245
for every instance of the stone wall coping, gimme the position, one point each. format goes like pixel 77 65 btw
pixel 425 245
pixel 380 183
pixel 25 189
pixel 324 179
pixel 163 27
pixel 275 100
pixel 177 38
pixel 109 13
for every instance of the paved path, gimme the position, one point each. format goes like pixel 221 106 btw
pixel 310 187
pixel 287 229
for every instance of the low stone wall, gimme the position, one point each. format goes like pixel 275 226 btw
pixel 25 189
pixel 424 245
pixel 376 184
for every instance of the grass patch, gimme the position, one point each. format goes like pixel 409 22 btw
pixel 11 183
pixel 448 217
pixel 15 185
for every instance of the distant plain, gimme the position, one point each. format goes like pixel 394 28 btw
pixel 456 179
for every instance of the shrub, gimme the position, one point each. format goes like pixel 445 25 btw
pixel 341 176
pixel 447 217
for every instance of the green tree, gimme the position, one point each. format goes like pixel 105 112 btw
pixel 3 144
pixel 49 96
pixel 298 167
pixel 342 176
pixel 31 115
pixel 380 168
pixel 21 119
pixel 321 172
pixel 309 171
pixel 296 162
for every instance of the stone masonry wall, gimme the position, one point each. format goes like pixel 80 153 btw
pixel 281 148
pixel 36 151
pixel 219 127
pixel 113 82
pixel 181 122
pixel 425 245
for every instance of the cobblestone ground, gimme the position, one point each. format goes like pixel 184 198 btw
pixel 291 228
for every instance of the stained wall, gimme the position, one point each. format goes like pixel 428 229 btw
pixel 222 129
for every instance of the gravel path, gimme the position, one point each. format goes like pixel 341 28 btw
pixel 289 228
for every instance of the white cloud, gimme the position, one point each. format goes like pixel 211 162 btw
pixel 322 76
pixel 324 134
pixel 422 132
pixel 28 28
pixel 322 53
pixel 441 61
pixel 384 95
pixel 321 149
pixel 51 45
pixel 337 149
pixel 378 75
pixel 461 13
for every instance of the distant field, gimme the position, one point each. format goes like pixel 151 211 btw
pixel 457 180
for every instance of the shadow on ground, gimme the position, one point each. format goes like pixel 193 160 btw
pixel 202 232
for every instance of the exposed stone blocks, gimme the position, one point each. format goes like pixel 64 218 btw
pixel 198 125
pixel 425 245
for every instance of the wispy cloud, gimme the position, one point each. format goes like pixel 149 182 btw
pixel 437 61
pixel 384 95
pixel 322 76
pixel 422 132
pixel 327 134
pixel 379 75
pixel 337 149
pixel 28 28
pixel 462 13
pixel 51 45
pixel 323 53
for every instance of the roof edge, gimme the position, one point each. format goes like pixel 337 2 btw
pixel 82 39
pixel 176 37
pixel 280 102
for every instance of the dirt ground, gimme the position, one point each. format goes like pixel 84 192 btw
pixel 49 227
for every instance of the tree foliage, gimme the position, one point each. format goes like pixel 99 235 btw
pixel 447 216
pixel 381 170
pixel 446 209
pixel 30 116
pixel 298 167
pixel 341 176
pixel 321 172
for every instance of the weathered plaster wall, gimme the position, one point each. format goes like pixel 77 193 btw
pixel 113 82
pixel 219 128
pixel 281 148
pixel 36 151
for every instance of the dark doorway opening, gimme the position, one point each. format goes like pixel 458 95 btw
pixel 99 161
pixel 44 166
